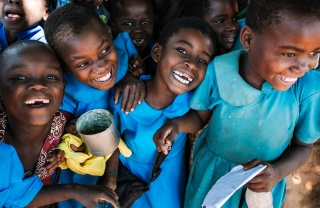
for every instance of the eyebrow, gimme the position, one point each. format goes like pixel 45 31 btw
pixel 292 48
pixel 191 46
pixel 80 56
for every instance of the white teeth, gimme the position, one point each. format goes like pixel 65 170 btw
pixel 183 81
pixel 183 75
pixel 140 41
pixel 104 78
pixel 287 79
pixel 33 101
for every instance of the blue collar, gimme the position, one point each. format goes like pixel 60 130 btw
pixel 233 89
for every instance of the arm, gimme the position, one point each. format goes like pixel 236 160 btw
pixel 191 122
pixel 87 195
pixel 109 179
pixel 294 157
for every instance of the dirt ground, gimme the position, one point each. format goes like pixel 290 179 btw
pixel 303 186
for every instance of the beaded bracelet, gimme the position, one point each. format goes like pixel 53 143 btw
pixel 111 171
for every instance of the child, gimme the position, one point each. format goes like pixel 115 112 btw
pixel 93 64
pixel 136 18
pixel 222 17
pixel 31 91
pixel 262 101
pixel 20 20
pixel 184 49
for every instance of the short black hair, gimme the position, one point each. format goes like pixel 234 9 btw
pixel 264 13
pixel 67 21
pixel 196 8
pixel 184 23
pixel 21 45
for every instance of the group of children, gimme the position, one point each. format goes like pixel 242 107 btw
pixel 259 102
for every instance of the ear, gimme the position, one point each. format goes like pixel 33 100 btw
pixel 46 14
pixel 246 37
pixel 155 52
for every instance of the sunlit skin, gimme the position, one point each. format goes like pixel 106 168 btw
pixel 285 58
pixel 31 91
pixel 18 15
pixel 222 17
pixel 136 18
pixel 91 57
pixel 181 66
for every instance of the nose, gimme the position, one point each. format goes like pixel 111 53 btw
pixel 304 65
pixel 18 2
pixel 191 64
pixel 99 65
pixel 233 26
pixel 37 84
pixel 137 28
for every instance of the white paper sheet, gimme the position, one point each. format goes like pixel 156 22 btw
pixel 223 189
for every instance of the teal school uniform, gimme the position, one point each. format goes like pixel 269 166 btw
pixel 248 123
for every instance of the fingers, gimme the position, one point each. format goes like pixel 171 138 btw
pixel 117 93
pixel 131 96
pixel 81 148
pixel 252 164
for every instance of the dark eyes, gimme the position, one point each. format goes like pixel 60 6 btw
pixel 184 52
pixel 219 21
pixel 181 50
pixel 19 78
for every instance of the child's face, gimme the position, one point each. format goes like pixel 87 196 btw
pixel 182 62
pixel 223 21
pixel 136 18
pixel 32 85
pixel 17 15
pixel 281 54
pixel 91 57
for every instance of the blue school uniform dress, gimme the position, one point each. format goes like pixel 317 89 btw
pixel 137 129
pixel 15 189
pixel 80 98
pixel 33 33
pixel 248 123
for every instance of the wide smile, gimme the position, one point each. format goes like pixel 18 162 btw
pixel 229 38
pixel 182 77
pixel 138 42
pixel 37 102
pixel 287 80
pixel 104 78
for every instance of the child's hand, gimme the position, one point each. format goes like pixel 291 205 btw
pixel 95 3
pixel 71 128
pixel 55 160
pixel 133 92
pixel 90 195
pixel 264 181
pixel 136 66
pixel 164 137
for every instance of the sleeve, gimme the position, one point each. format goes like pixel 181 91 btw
pixel 307 129
pixel 125 50
pixel 15 190
pixel 68 104
pixel 124 37
pixel 204 93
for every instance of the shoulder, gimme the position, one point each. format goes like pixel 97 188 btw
pixel 308 85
